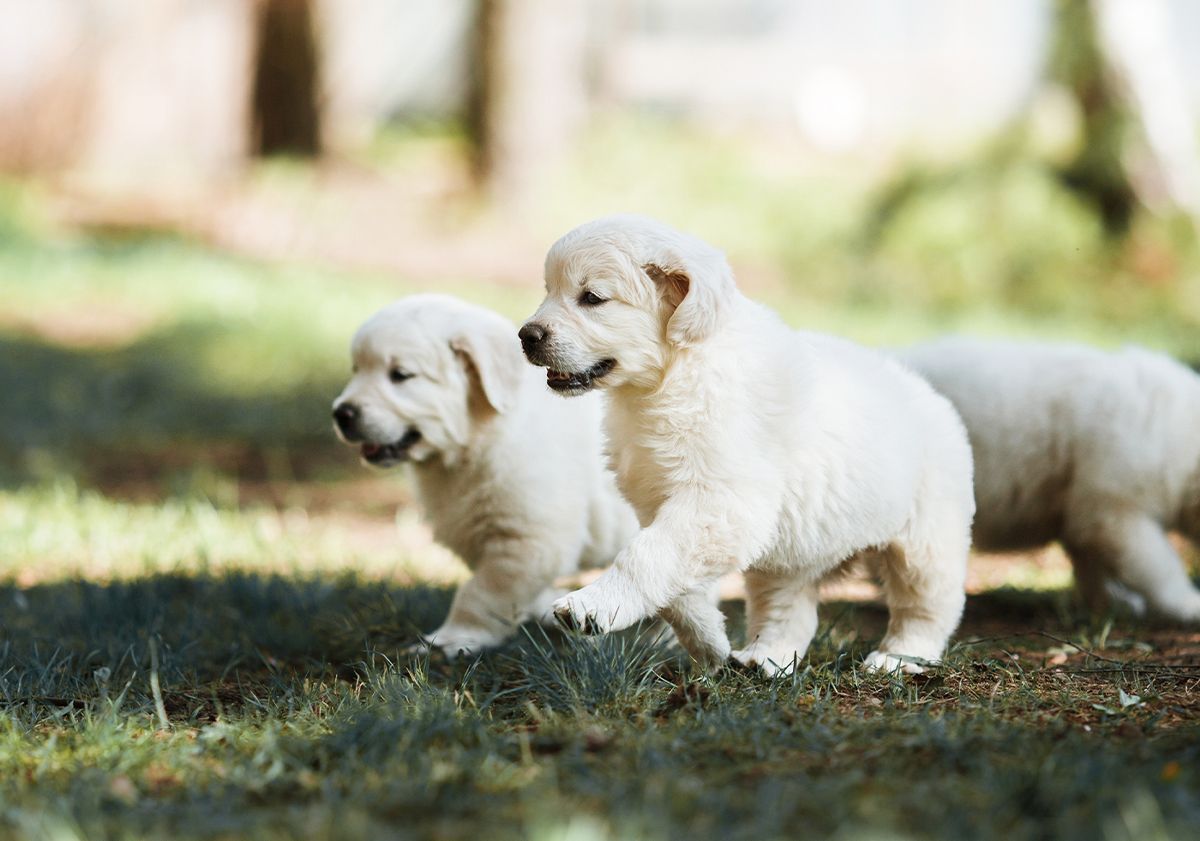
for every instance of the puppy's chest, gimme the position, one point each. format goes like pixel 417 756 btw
pixel 654 454
pixel 465 518
pixel 642 477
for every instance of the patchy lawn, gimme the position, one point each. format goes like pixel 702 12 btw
pixel 204 601
pixel 197 706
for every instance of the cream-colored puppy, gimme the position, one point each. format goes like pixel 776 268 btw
pixel 511 478
pixel 743 444
pixel 1098 450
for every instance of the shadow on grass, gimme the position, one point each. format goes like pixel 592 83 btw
pixel 293 708
pixel 207 628
pixel 156 406
pixel 244 630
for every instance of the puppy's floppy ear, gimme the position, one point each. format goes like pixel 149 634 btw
pixel 495 357
pixel 698 291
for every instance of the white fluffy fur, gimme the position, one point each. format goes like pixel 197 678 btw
pixel 1098 450
pixel 510 477
pixel 743 444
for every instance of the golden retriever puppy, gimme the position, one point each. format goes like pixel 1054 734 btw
pixel 511 478
pixel 745 445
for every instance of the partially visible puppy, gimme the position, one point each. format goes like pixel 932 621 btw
pixel 511 478
pixel 1098 450
pixel 745 445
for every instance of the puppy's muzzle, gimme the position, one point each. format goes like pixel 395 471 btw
pixel 385 455
pixel 347 417
pixel 533 337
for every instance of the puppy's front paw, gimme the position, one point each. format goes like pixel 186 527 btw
pixel 456 642
pixel 577 612
pixel 881 661
pixel 417 649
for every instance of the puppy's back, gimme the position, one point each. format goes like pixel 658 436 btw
pixel 1050 423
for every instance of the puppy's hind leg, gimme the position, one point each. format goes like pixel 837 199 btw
pixel 924 584
pixel 781 619
pixel 1134 549
pixel 1096 586
pixel 699 625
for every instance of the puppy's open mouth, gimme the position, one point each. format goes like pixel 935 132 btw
pixel 382 455
pixel 577 382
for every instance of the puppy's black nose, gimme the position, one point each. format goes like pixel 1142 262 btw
pixel 346 416
pixel 531 336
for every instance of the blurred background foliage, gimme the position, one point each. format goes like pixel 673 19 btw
pixel 201 201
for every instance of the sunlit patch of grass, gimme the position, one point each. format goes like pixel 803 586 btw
pixel 58 532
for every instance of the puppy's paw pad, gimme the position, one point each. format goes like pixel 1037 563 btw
pixel 565 617
pixel 573 617
pixel 881 661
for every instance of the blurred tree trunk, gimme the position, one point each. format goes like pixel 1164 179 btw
pixel 527 92
pixel 285 107
pixel 1138 143
pixel 1135 37
pixel 481 93
pixel 1097 171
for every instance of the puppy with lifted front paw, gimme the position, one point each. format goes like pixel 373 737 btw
pixel 511 478
pixel 746 445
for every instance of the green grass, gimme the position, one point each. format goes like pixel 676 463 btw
pixel 196 642
pixel 291 712
pixel 58 531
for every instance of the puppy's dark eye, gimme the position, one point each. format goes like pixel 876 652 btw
pixel 399 375
pixel 591 299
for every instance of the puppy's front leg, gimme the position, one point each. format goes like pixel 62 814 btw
pixel 681 552
pixel 612 602
pixel 504 591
